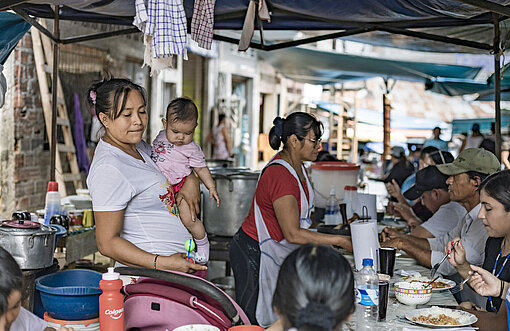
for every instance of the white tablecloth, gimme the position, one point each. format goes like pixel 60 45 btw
pixel 396 309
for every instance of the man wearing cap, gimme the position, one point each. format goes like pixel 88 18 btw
pixel 436 141
pixel 432 190
pixel 465 173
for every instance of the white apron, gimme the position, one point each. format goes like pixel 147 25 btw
pixel 272 252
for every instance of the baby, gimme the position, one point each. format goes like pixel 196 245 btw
pixel 175 153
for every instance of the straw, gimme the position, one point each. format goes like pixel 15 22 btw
pixel 376 238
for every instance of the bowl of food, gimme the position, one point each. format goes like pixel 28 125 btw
pixel 412 293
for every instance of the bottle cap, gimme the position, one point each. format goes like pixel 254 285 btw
pixel 332 191
pixel 350 188
pixel 52 187
pixel 368 262
pixel 111 274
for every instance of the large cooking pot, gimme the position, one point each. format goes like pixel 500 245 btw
pixel 219 163
pixel 30 243
pixel 236 188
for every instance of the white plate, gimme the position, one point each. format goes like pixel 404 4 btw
pixel 425 280
pixel 466 320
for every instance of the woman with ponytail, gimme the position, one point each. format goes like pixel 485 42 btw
pixel 279 217
pixel 314 291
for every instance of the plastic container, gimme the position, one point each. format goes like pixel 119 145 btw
pixel 111 302
pixel 367 296
pixel 331 215
pixel 351 200
pixel 86 325
pixel 338 174
pixel 70 295
pixel 52 206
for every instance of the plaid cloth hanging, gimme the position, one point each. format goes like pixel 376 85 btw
pixel 202 23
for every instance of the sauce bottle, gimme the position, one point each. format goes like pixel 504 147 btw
pixel 111 302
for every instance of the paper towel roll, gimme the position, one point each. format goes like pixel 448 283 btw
pixel 365 241
pixel 368 200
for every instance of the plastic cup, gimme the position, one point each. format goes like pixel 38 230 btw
pixel 384 287
pixel 387 260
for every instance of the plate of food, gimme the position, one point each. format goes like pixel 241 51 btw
pixel 439 285
pixel 437 317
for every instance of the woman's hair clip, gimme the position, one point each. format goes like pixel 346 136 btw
pixel 93 96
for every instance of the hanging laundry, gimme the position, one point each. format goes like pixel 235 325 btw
pixel 163 23
pixel 258 7
pixel 79 137
pixel 202 23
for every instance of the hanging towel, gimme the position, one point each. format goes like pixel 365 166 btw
pixel 165 23
pixel 249 21
pixel 202 23
pixel 79 137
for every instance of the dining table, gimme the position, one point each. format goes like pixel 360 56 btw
pixel 395 314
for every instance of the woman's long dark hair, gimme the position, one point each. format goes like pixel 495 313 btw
pixel 315 289
pixel 497 187
pixel 11 278
pixel 296 123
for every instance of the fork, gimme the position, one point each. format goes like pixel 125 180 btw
pixel 436 266
pixel 460 286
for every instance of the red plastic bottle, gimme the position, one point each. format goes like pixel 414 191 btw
pixel 111 302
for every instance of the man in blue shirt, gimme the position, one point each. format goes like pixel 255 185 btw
pixel 436 141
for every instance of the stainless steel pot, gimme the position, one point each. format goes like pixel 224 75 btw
pixel 31 244
pixel 236 188
pixel 218 163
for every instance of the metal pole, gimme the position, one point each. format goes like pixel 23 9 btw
pixel 54 100
pixel 497 84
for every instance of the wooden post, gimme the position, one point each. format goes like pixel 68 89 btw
pixel 386 123
pixel 354 132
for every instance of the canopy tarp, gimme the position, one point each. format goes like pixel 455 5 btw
pixel 13 28
pixel 485 89
pixel 323 67
pixel 447 18
pixel 374 117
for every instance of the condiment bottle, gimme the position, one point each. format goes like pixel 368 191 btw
pixel 52 202
pixel 111 302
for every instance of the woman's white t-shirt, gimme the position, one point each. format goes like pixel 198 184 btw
pixel 118 181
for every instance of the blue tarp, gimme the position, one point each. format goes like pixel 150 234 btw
pixel 13 28
pixel 450 18
pixel 485 89
pixel 322 67
pixel 374 117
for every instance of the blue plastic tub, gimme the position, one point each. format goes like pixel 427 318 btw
pixel 70 295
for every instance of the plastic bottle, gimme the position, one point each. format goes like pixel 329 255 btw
pixel 331 215
pixel 111 302
pixel 350 199
pixel 367 296
pixel 52 206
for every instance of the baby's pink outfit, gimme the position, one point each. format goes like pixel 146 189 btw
pixel 175 162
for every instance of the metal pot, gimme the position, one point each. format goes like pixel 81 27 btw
pixel 219 163
pixel 236 188
pixel 30 243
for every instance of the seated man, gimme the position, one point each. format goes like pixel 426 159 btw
pixel 431 189
pixel 465 173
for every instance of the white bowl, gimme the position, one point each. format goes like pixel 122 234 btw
pixel 412 293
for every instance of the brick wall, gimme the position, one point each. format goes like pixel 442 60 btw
pixel 31 159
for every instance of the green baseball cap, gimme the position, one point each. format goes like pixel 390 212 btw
pixel 472 159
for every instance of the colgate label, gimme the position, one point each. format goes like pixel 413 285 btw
pixel 114 313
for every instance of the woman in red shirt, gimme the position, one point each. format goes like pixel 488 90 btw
pixel 279 216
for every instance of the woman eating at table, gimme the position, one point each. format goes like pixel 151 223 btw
pixel 314 291
pixel 495 215
pixel 279 217
pixel 135 210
